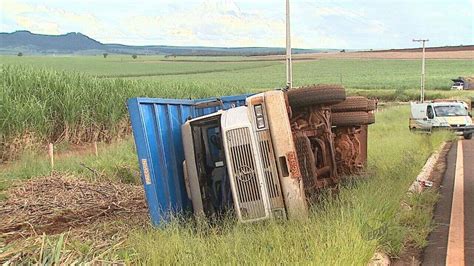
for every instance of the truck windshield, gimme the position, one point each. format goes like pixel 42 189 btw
pixel 451 110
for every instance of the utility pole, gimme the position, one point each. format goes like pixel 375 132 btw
pixel 422 96
pixel 289 70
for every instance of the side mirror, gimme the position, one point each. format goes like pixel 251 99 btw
pixel 425 119
pixel 469 114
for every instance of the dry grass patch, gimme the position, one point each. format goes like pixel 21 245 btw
pixel 57 203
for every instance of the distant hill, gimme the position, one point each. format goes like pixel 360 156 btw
pixel 78 43
pixel 69 43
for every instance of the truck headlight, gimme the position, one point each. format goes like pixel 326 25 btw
pixel 258 110
pixel 260 117
pixel 260 122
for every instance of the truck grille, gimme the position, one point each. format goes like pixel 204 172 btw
pixel 270 170
pixel 244 174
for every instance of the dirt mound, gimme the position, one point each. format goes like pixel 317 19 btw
pixel 59 202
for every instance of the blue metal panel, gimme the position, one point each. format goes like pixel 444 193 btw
pixel 156 125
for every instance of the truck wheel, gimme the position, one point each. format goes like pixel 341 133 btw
pixel 316 94
pixel 468 136
pixel 371 105
pixel 352 119
pixel 354 103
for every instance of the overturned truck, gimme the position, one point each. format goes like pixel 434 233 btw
pixel 256 156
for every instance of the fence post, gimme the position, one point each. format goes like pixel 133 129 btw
pixel 96 150
pixel 51 155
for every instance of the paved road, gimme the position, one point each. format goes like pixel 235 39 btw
pixel 452 242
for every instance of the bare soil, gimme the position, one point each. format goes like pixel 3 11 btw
pixel 412 54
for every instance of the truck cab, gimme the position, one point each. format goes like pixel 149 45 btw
pixel 243 160
pixel 452 115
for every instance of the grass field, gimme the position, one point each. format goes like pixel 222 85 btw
pixel 242 73
pixel 82 99
pixel 352 73
pixel 365 217
pixel 74 100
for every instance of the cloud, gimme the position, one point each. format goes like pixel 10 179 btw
pixel 214 23
pixel 207 23
pixel 46 27
pixel 315 24
pixel 40 18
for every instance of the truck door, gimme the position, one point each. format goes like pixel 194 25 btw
pixel 207 177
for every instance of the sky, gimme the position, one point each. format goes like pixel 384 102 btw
pixel 341 24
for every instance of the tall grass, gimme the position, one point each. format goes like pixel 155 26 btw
pixel 365 217
pixel 58 106
pixel 400 95
pixel 39 105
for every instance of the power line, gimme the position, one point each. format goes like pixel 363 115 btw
pixel 422 95
pixel 289 70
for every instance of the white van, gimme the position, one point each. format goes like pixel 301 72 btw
pixel 447 114
pixel 458 86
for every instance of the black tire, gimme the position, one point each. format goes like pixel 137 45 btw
pixel 352 119
pixel 371 105
pixel 316 95
pixel 371 118
pixel 353 104
pixel 468 136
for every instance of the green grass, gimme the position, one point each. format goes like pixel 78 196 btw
pixel 352 73
pixel 40 105
pixel 412 94
pixel 59 106
pixel 116 161
pixel 365 217
pixel 244 72
pixel 125 66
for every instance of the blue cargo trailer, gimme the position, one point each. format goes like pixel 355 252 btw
pixel 156 125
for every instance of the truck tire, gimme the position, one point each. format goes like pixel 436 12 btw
pixel 353 104
pixel 352 119
pixel 316 95
pixel 371 105
pixel 467 136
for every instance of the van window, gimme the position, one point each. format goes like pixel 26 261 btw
pixel 450 110
pixel 429 112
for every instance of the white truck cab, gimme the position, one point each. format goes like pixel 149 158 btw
pixel 451 115
pixel 244 160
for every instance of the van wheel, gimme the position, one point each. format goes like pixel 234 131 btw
pixel 352 119
pixel 468 136
pixel 315 95
pixel 354 103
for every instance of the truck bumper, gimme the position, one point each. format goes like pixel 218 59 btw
pixel 459 130
pixel 463 130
